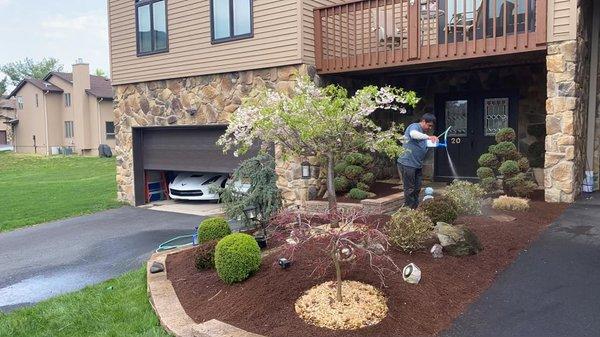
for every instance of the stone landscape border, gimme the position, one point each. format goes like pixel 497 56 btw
pixel 170 312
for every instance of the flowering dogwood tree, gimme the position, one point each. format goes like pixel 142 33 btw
pixel 314 121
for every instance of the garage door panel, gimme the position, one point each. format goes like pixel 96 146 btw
pixel 188 149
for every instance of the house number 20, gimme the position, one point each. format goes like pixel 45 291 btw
pixel 455 140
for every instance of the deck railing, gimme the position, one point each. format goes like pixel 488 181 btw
pixel 370 34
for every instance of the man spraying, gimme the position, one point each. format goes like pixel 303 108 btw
pixel 410 163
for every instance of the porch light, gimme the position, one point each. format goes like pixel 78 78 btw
pixel 305 166
pixel 250 212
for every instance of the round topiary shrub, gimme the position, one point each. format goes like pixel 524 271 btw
pixel 488 160
pixel 505 150
pixel 409 229
pixel 339 168
pixel 519 185
pixel 341 184
pixel 357 194
pixel 213 229
pixel 204 256
pixel 237 256
pixel 506 135
pixel 368 178
pixel 509 168
pixel 363 186
pixel 489 184
pixel 440 209
pixel 353 172
pixel 485 172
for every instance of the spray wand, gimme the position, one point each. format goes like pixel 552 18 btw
pixel 440 144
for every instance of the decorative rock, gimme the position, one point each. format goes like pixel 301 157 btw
pixel 157 267
pixel 172 119
pixel 503 218
pixel 436 251
pixel 457 240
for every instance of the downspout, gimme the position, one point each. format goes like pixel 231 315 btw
pixel 592 92
pixel 98 101
pixel 46 124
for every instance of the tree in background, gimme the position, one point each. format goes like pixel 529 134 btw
pixel 28 68
pixel 100 72
pixel 318 122
pixel 3 86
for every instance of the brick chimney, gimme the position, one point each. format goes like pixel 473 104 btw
pixel 82 127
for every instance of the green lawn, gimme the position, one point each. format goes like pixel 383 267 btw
pixel 118 307
pixel 36 189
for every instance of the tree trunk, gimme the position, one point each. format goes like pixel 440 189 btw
pixel 338 276
pixel 331 190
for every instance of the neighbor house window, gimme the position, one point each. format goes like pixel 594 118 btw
pixel 231 19
pixel 151 16
pixel 37 101
pixel 67 100
pixel 69 129
pixel 110 130
pixel 20 102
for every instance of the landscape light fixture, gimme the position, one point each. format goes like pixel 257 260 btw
pixel 305 166
pixel 250 212
pixel 284 263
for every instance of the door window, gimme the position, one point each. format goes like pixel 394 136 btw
pixel 495 114
pixel 456 117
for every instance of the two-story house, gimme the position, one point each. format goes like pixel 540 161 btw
pixel 181 68
pixel 69 112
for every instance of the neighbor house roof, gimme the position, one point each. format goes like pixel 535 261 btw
pixel 99 86
pixel 8 104
pixel 40 84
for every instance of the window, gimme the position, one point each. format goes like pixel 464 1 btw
pixel 231 20
pixel 456 116
pixel 496 115
pixel 37 102
pixel 67 100
pixel 20 102
pixel 110 130
pixel 69 129
pixel 151 16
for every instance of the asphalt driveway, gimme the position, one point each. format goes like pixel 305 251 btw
pixel 43 261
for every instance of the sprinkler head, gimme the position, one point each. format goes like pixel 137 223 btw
pixel 284 263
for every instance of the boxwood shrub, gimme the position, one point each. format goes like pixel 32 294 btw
pixel 205 255
pixel 213 229
pixel 237 256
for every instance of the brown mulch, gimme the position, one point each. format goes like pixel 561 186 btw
pixel 264 303
pixel 380 190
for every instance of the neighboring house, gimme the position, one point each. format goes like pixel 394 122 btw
pixel 64 110
pixel 180 70
pixel 7 116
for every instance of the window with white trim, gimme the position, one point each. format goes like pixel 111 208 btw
pixel 69 129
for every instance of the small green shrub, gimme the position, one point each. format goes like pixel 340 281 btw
pixel 489 184
pixel 363 186
pixel 213 229
pixel 353 172
pixel 237 256
pixel 523 164
pixel 466 196
pixel 506 150
pixel 519 185
pixel 439 209
pixel 409 229
pixel 509 168
pixel 488 160
pixel 358 194
pixel 340 167
pixel 485 172
pixel 204 256
pixel 507 203
pixel 341 184
pixel 358 159
pixel 368 178
pixel 506 135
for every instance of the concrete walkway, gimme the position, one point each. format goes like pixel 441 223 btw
pixel 552 289
pixel 63 256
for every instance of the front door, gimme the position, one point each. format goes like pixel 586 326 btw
pixel 474 118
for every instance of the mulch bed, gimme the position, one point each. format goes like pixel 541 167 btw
pixel 379 188
pixel 264 303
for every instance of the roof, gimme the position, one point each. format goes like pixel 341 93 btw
pixel 40 84
pixel 8 104
pixel 99 86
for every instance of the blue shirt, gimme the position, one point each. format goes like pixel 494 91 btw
pixel 415 149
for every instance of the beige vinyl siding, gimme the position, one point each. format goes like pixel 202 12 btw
pixel 562 20
pixel 308 31
pixel 275 42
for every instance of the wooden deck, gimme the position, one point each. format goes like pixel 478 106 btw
pixel 373 34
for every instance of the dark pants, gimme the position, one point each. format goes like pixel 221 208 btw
pixel 411 179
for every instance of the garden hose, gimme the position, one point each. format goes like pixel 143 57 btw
pixel 168 245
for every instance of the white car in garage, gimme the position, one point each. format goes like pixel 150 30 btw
pixel 201 186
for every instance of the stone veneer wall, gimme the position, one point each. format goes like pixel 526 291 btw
pixel 199 100
pixel 568 69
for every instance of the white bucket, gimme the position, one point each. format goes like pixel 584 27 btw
pixel 55 150
pixel 588 182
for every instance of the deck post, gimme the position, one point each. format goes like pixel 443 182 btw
pixel 413 29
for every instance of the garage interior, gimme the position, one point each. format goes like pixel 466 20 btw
pixel 160 153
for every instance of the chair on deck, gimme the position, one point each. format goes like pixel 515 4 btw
pixel 388 34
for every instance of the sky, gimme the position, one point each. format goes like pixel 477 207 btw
pixel 63 29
